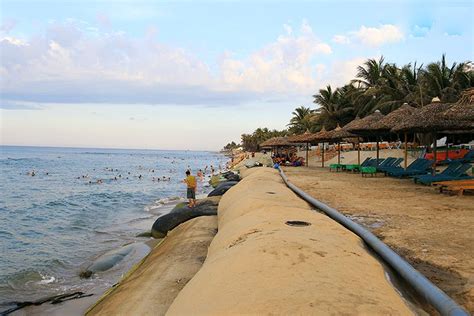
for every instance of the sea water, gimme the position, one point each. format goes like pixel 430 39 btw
pixel 79 204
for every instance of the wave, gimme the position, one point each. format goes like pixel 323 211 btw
pixel 164 202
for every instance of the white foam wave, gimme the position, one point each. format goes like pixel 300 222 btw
pixel 46 280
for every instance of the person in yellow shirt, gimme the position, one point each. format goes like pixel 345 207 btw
pixel 191 192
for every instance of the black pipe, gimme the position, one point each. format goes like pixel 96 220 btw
pixel 430 292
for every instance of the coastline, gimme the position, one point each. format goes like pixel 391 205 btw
pixel 321 267
pixel 254 252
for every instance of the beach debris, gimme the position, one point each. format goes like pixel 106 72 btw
pixel 56 299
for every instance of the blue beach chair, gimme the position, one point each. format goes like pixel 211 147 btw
pixel 455 171
pixel 423 166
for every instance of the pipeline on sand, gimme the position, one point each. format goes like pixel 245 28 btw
pixel 430 292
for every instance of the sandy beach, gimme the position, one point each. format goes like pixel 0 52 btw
pixel 430 230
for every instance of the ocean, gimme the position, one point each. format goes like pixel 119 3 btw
pixel 62 208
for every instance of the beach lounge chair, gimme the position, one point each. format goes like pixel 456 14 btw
pixel 456 186
pixel 418 167
pixel 335 167
pixel 356 167
pixel 369 162
pixel 393 164
pixel 386 162
pixel 368 170
pixel 455 171
pixel 468 158
pixel 373 162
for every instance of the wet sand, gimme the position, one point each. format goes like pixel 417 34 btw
pixel 432 231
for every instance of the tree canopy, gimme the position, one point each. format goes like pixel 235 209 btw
pixel 378 85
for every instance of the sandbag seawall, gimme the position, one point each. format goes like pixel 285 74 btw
pixel 257 264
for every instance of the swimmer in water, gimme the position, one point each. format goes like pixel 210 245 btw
pixel 200 175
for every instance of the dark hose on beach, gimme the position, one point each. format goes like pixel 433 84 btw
pixel 433 295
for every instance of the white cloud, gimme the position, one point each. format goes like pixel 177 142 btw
pixel 282 66
pixel 371 36
pixel 374 36
pixel 70 64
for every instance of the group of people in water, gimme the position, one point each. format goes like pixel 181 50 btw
pixel 200 174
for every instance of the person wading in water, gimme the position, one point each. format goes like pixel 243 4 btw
pixel 191 193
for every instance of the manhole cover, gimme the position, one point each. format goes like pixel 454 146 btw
pixel 297 223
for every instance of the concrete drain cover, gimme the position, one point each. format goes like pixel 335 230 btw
pixel 297 223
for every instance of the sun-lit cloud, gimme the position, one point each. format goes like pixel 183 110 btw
pixel 372 36
pixel 74 62
pixel 384 34
pixel 282 66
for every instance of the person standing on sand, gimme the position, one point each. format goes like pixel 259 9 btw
pixel 191 192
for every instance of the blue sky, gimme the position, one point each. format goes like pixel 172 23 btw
pixel 195 74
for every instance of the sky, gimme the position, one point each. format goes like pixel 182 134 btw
pixel 197 74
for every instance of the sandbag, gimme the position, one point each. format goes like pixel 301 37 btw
pixel 227 173
pixel 182 213
pixel 107 260
pixel 233 177
pixel 216 179
pixel 222 188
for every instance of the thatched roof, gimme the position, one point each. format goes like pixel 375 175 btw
pixel 352 123
pixel 393 118
pixel 364 125
pixel 340 133
pixel 467 97
pixel 322 135
pixel 430 118
pixel 276 141
pixel 464 108
pixel 306 137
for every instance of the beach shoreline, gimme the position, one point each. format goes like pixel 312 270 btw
pixel 198 290
pixel 206 294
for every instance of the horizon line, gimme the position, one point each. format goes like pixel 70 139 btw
pixel 115 148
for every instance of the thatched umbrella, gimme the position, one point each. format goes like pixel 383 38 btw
pixel 338 134
pixel 430 119
pixel 349 125
pixel 364 127
pixel 392 119
pixel 276 142
pixel 306 138
pixel 322 136
pixel 463 109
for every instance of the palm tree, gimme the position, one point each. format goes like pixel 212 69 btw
pixel 336 107
pixel 370 74
pixel 447 82
pixel 301 120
